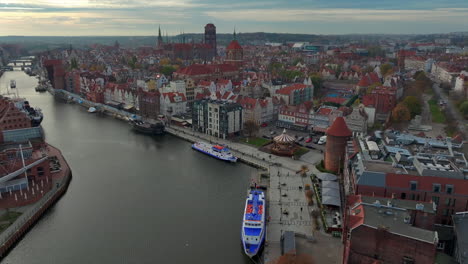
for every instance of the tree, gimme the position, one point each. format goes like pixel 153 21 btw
pixel 167 70
pixel 74 63
pixel 464 107
pixel 413 104
pixel 386 69
pixel 401 113
pixel 372 87
pixel 303 171
pixel 251 127
pixel 357 102
pixel 317 81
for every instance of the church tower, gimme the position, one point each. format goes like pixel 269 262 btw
pixel 160 39
pixel 234 52
pixel 210 38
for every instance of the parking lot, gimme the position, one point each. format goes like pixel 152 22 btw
pixel 266 132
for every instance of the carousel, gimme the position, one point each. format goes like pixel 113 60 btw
pixel 283 145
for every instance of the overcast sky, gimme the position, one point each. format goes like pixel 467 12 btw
pixel 142 17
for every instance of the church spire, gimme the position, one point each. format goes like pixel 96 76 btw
pixel 234 35
pixel 160 39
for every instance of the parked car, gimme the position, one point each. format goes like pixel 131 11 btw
pixel 311 147
pixel 272 132
pixel 322 140
pixel 264 125
pixel 316 140
pixel 308 140
pixel 300 139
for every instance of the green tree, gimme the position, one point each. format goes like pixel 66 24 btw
pixel 317 81
pixel 464 107
pixel 401 113
pixel 413 104
pixel 74 63
pixel 167 70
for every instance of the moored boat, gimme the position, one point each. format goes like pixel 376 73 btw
pixel 253 222
pixel 92 110
pixel 148 128
pixel 216 151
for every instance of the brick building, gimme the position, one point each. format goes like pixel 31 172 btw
pixel 149 103
pixel 388 231
pixel 382 98
pixel 337 137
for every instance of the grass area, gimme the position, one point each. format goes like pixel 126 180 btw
pixel 7 219
pixel 321 167
pixel 301 151
pixel 437 115
pixel 256 141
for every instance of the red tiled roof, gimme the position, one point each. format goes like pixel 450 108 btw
pixel 172 95
pixel 324 111
pixel 287 90
pixel 339 128
pixel 364 82
pixel 234 45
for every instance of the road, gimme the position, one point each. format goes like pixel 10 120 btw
pixel 461 122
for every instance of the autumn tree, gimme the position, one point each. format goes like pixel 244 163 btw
pixel 167 70
pixel 386 69
pixel 317 81
pixel 413 104
pixel 401 113
pixel 251 127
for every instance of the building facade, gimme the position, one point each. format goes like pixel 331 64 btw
pixel 217 118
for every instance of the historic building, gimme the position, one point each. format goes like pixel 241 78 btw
pixel 149 103
pixel 337 136
pixel 210 38
pixel 234 53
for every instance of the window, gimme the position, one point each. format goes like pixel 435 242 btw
pixel 436 187
pixel 445 212
pixel 448 201
pixel 449 188
pixel 453 203
pixel 435 199
pixel 403 195
pixel 413 185
pixel 441 245
pixel 408 260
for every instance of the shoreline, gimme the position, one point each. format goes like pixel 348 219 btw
pixel 21 226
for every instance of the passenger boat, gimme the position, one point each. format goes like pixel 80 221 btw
pixel 92 110
pixel 148 128
pixel 253 223
pixel 216 151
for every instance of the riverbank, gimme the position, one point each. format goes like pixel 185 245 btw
pixel 59 181
pixel 288 209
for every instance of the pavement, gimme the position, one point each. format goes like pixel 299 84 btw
pixel 462 123
pixel 288 209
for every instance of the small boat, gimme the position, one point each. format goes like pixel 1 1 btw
pixel 216 151
pixel 12 84
pixel 147 128
pixel 92 110
pixel 41 88
pixel 253 223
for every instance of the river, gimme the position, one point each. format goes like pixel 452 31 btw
pixel 133 198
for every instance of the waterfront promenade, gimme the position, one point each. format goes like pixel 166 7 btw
pixel 288 208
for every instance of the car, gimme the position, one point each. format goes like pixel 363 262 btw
pixel 316 140
pixel 300 139
pixel 272 132
pixel 322 140
pixel 308 140
pixel 264 125
pixel 311 147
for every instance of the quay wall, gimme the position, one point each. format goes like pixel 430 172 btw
pixel 185 134
pixel 10 236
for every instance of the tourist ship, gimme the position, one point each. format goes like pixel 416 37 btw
pixel 12 84
pixel 216 151
pixel 253 223
pixel 148 128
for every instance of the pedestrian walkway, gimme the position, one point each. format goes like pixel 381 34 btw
pixel 288 209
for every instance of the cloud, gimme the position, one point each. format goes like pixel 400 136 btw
pixel 333 15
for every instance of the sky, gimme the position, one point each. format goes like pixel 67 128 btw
pixel 142 17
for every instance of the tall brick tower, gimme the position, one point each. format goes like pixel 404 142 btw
pixel 210 37
pixel 337 136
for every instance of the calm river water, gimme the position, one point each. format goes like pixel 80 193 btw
pixel 133 198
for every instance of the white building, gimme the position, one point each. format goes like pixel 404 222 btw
pixel 173 103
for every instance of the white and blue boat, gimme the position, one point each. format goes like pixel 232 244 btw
pixel 253 224
pixel 216 151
